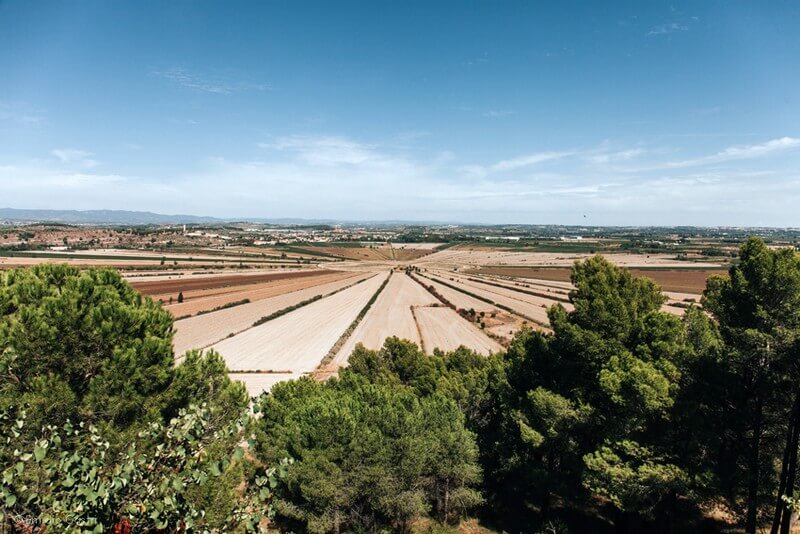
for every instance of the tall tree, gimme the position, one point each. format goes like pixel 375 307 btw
pixel 758 310
pixel 82 345
pixel 593 403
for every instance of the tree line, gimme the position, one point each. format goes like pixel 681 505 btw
pixel 622 418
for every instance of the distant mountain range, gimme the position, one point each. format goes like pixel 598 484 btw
pixel 101 217
pixel 123 217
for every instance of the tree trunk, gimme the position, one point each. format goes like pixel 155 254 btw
pixel 791 474
pixel 788 468
pixel 545 510
pixel 446 503
pixel 780 506
pixel 754 465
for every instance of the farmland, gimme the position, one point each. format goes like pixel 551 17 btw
pixel 203 330
pixel 442 329
pixel 280 305
pixel 391 315
pixel 298 341
pixel 687 280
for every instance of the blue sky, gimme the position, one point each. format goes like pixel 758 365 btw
pixel 631 113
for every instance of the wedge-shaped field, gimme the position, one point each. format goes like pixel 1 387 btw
pixel 442 328
pixel 204 330
pixel 390 315
pixel 528 285
pixel 159 288
pixel 563 293
pixel 298 341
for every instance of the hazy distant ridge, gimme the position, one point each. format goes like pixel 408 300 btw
pixel 100 217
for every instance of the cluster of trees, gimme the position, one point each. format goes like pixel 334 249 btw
pixel 101 431
pixel 624 413
pixel 624 417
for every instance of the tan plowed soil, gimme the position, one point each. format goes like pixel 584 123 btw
pixel 252 292
pixel 204 330
pixel 298 341
pixel 390 315
pixel 443 329
pixel 174 286
pixel 678 280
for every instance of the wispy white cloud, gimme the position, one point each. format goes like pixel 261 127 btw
pixel 72 156
pixel 517 163
pixel 740 152
pixel 496 114
pixel 670 27
pixel 326 150
pixel 528 160
pixel 336 176
pixel 20 113
pixel 33 177
pixel 188 122
pixel 184 77
pixel 613 157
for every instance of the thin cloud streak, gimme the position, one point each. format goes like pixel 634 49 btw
pixel 73 156
pixel 183 77
pixel 741 152
pixel 671 27
pixel 496 114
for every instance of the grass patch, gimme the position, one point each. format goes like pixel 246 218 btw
pixel 224 306
pixel 284 311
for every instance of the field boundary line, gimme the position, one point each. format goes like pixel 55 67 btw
pixel 419 330
pixel 459 312
pixel 350 329
pixel 489 301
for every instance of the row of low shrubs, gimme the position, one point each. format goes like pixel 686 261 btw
pixel 225 306
pixel 550 296
pixel 284 311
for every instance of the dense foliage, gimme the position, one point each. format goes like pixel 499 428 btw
pixel 623 416
pixel 100 429
pixel 367 456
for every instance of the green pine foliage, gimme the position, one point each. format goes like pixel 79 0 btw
pixel 367 454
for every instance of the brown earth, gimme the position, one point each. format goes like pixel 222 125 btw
pixel 408 254
pixel 196 302
pixel 373 253
pixel 357 253
pixel 679 280
pixel 174 286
